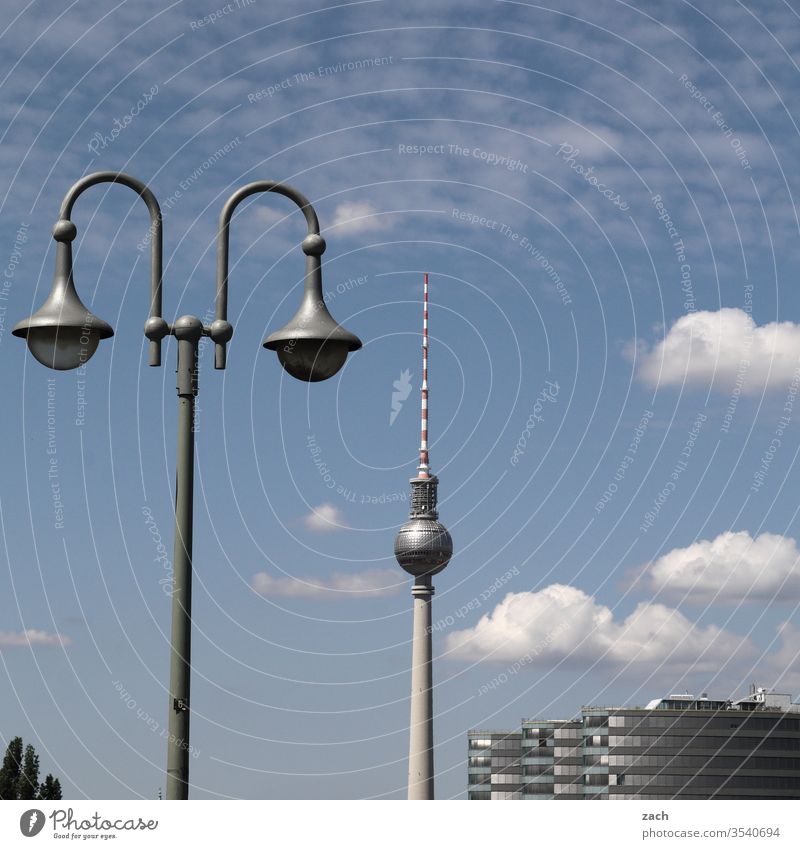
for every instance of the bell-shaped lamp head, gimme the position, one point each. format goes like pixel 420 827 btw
pixel 63 334
pixel 312 346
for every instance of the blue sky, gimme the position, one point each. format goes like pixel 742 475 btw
pixel 604 196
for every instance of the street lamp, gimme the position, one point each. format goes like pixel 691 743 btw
pixel 63 334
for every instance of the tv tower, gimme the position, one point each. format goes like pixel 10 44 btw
pixel 423 547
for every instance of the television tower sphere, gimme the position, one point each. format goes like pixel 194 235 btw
pixel 423 546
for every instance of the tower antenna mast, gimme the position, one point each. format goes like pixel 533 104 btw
pixel 424 470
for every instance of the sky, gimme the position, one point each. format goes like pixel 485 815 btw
pixel 604 196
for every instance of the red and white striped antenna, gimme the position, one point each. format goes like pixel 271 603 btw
pixel 424 470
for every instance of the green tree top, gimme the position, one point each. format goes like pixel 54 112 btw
pixel 19 775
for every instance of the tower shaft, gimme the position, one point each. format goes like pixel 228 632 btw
pixel 420 752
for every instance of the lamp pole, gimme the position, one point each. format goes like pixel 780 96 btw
pixel 63 334
pixel 188 330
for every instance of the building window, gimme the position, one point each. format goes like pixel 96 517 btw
pixel 538 769
pixel 539 789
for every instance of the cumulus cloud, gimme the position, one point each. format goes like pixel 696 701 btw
pixel 325 518
pixel 783 667
pixel 732 567
pixel 563 623
pixel 340 586
pixel 725 347
pixel 357 217
pixel 31 637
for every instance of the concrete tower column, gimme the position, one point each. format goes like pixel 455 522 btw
pixel 423 547
pixel 420 751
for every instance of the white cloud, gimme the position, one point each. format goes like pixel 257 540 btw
pixel 340 586
pixel 264 214
pixel 592 142
pixel 783 667
pixel 724 347
pixel 325 518
pixel 732 567
pixel 32 637
pixel 563 623
pixel 357 217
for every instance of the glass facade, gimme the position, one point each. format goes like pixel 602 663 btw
pixel 494 766
pixel 543 761
pixel 683 752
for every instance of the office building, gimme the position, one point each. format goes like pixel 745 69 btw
pixel 678 747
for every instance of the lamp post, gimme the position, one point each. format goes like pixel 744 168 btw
pixel 63 334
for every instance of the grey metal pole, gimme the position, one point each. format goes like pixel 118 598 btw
pixel 420 750
pixel 188 331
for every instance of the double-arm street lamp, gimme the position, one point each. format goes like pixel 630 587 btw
pixel 63 334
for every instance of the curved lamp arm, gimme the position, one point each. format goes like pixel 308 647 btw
pixel 313 246
pixel 155 330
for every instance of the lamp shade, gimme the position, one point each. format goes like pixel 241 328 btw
pixel 63 334
pixel 312 346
